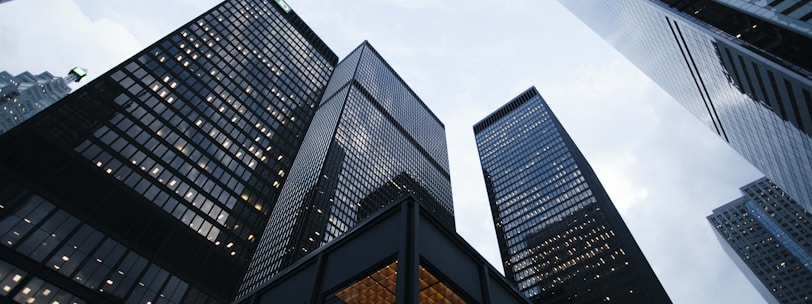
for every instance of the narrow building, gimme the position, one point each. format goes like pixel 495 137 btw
pixel 766 234
pixel 560 237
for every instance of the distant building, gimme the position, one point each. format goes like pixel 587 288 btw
pixel 560 236
pixel 25 95
pixel 372 140
pixel 153 183
pixel 403 253
pixel 744 68
pixel 767 234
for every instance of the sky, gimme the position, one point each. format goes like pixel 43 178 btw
pixel 663 169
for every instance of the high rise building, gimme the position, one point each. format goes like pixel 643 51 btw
pixel 154 182
pixel 766 233
pixel 25 95
pixel 560 237
pixel 743 68
pixel 372 140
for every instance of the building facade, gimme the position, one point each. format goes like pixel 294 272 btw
pixel 26 94
pixel 372 140
pixel 401 253
pixel 154 182
pixel 743 68
pixel 766 234
pixel 560 237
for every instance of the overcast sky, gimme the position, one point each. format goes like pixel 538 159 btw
pixel 663 169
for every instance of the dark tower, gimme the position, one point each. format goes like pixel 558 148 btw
pixel 560 237
pixel 153 182
pixel 370 130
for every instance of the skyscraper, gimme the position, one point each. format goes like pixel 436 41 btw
pixel 766 233
pixel 372 140
pixel 743 68
pixel 154 182
pixel 560 237
pixel 25 95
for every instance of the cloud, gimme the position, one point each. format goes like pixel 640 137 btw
pixel 55 36
pixel 147 20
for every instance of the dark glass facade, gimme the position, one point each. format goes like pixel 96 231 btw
pixel 400 254
pixel 742 68
pixel 372 140
pixel 766 233
pixel 153 183
pixel 794 15
pixel 560 237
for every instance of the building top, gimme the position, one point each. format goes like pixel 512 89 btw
pixel 506 109
pixel 764 232
pixel 78 72
pixel 306 31
pixel 738 201
pixel 368 46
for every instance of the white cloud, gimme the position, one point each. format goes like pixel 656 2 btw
pixel 147 20
pixel 55 36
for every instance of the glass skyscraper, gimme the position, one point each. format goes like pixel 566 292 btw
pixel 26 94
pixel 371 142
pixel 766 233
pixel 560 237
pixel 154 182
pixel 744 68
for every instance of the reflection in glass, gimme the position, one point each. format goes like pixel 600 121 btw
pixel 381 287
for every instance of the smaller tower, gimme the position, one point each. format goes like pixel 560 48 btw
pixel 766 234
pixel 25 95
pixel 560 236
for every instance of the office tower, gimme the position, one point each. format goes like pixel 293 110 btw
pixel 794 15
pixel 766 233
pixel 744 68
pixel 25 95
pixel 560 237
pixel 401 254
pixel 372 140
pixel 153 182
